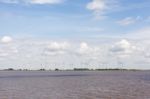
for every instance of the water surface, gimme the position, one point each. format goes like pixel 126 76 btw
pixel 75 85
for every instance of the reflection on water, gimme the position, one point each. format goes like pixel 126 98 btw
pixel 74 85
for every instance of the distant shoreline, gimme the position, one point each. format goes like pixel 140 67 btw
pixel 75 69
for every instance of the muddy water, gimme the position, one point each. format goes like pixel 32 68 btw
pixel 74 85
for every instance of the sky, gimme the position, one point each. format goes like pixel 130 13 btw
pixel 70 34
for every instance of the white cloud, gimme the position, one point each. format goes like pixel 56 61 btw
pixel 29 53
pixel 3 54
pixel 100 7
pixel 85 49
pixel 147 55
pixel 129 20
pixel 123 48
pixel 6 39
pixel 7 46
pixel 97 5
pixel 57 48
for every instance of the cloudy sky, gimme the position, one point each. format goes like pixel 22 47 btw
pixel 74 33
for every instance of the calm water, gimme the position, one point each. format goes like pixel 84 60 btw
pixel 75 85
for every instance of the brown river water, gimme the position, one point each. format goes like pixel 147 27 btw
pixel 75 85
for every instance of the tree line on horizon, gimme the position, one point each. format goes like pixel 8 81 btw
pixel 74 69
